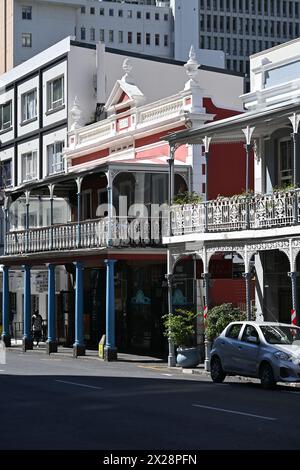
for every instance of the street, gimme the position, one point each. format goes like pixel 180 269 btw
pixel 64 403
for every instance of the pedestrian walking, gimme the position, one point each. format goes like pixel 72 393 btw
pixel 37 327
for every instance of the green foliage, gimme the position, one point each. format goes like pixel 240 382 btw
pixel 219 317
pixel 285 188
pixel 180 327
pixel 187 198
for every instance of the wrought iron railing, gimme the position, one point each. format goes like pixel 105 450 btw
pixel 257 211
pixel 117 231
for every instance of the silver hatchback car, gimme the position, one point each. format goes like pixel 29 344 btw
pixel 269 351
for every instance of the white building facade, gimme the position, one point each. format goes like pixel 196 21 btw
pixel 262 227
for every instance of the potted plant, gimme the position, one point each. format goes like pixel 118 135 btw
pixel 180 328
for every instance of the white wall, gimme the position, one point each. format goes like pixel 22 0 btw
pixel 158 80
pixel 81 82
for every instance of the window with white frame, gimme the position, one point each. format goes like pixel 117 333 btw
pixel 5 116
pixel 29 166
pixel 26 12
pixel 55 93
pixel 55 157
pixel 26 40
pixel 29 105
pixel 5 174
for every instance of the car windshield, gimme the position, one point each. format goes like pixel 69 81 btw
pixel 281 334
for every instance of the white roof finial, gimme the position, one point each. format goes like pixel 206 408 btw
pixel 75 114
pixel 127 67
pixel 191 68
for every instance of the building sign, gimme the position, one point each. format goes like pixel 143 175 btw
pixel 41 282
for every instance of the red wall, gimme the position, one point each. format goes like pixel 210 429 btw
pixel 227 170
pixel 230 291
pixel 227 161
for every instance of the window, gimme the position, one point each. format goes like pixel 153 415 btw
pixel 82 10
pixel 55 94
pixel 55 157
pixel 120 37
pixel 120 13
pixel 234 331
pixel 138 38
pixel 29 166
pixel 101 12
pixel 139 15
pixel 82 34
pixel 148 16
pixel 283 74
pixel 166 40
pixel 284 162
pixel 129 13
pixel 111 12
pixel 5 174
pixel 6 116
pixel 92 34
pixel 166 16
pixel 29 105
pixel 101 35
pixel 250 331
pixel 148 39
pixel 156 16
pixel 129 37
pixel 92 10
pixel 26 40
pixel 111 35
pixel 86 204
pixel 157 39
pixel 26 13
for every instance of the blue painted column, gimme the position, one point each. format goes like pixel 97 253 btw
pixel 27 338
pixel 110 350
pixel 5 307
pixel 78 346
pixel 51 344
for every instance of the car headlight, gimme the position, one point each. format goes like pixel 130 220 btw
pixel 283 356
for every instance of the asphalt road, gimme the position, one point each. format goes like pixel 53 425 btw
pixel 64 403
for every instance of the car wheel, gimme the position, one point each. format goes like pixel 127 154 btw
pixel 216 371
pixel 267 377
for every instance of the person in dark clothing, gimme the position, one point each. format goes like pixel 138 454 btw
pixel 37 327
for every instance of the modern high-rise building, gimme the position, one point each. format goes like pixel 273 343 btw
pixel 244 27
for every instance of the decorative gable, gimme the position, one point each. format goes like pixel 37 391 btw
pixel 125 94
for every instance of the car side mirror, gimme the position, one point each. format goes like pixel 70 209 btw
pixel 252 339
